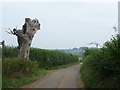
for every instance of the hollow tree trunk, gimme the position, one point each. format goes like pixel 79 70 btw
pixel 24 49
pixel 25 36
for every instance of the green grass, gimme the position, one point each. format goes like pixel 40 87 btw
pixel 45 58
pixel 22 79
pixel 101 68
pixel 63 66
pixel 15 75
pixel 94 79
pixel 17 72
pixel 89 77
pixel 13 66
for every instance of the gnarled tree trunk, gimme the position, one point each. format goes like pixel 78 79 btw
pixel 25 36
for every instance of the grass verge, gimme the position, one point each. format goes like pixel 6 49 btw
pixel 94 79
pixel 22 79
pixel 63 66
pixel 17 73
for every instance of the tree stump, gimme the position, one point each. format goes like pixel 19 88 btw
pixel 25 36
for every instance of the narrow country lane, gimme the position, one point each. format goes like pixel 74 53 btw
pixel 63 78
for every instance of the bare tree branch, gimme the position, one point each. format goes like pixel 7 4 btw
pixel 10 31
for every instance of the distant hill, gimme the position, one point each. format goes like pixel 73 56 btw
pixel 75 51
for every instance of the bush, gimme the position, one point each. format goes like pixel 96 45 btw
pixel 46 58
pixel 9 52
pixel 106 59
pixel 14 66
pixel 19 72
pixel 104 63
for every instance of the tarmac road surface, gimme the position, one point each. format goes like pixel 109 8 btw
pixel 63 78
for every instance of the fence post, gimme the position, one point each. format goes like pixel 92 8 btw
pixel 3 45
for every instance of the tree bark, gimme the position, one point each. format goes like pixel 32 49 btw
pixel 25 36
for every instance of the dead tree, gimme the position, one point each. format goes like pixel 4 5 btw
pixel 25 36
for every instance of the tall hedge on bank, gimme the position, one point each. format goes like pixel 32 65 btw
pixel 45 58
pixel 101 68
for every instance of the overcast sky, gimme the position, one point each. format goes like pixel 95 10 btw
pixel 63 24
